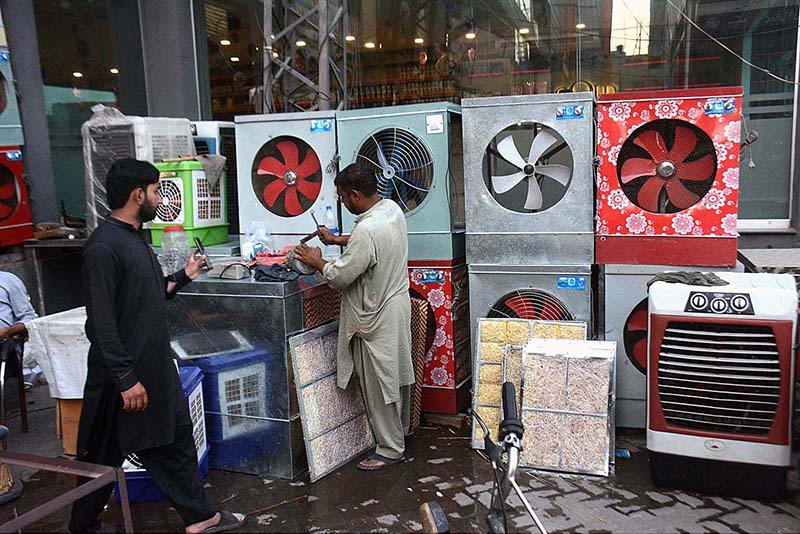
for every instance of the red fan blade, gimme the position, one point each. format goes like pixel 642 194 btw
pixel 292 202
pixel 681 197
pixel 637 321
pixel 640 353
pixel 7 189
pixel 521 306
pixel 290 154
pixel 270 165
pixel 648 194
pixel 309 166
pixel 308 189
pixel 635 167
pixel 685 143
pixel 272 190
pixel 550 311
pixel 655 145
pixel 697 171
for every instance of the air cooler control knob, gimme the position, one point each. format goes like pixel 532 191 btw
pixel 739 303
pixel 719 305
pixel 699 301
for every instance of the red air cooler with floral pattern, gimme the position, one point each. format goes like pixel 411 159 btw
pixel 668 181
pixel 443 284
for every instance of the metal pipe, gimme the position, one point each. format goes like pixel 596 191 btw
pixel 324 91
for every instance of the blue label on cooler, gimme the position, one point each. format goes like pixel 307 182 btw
pixel 719 106
pixel 320 125
pixel 5 56
pixel 575 283
pixel 569 112
pixel 14 155
pixel 431 276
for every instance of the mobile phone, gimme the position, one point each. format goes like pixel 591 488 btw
pixel 199 245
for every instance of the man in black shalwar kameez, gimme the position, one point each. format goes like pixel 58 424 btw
pixel 133 400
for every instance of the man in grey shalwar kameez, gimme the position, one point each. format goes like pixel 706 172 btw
pixel 375 322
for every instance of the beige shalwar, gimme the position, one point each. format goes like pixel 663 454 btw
pixel 375 321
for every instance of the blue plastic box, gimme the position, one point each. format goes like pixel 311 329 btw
pixel 141 487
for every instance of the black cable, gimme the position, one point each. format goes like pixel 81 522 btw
pixel 502 498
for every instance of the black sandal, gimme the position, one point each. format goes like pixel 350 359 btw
pixel 386 462
pixel 227 521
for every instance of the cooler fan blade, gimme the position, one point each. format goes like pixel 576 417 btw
pixel 309 166
pixel 272 190
pixel 534 199
pixel 381 156
pixel 559 173
pixel 292 202
pixel 308 189
pixel 697 171
pixel 521 306
pixel 550 311
pixel 503 184
pixel 685 143
pixel 408 179
pixel 640 352
pixel 8 189
pixel 637 321
pixel 635 167
pixel 270 165
pixel 290 154
pixel 509 151
pixel 649 193
pixel 540 144
pixel 681 197
pixel 653 143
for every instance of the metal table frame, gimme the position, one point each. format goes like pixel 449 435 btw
pixel 100 475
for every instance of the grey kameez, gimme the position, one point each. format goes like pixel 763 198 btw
pixel 376 311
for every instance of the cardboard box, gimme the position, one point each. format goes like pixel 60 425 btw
pixel 68 416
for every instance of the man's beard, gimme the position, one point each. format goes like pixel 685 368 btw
pixel 147 212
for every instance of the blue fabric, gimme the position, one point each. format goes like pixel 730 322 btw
pixel 15 304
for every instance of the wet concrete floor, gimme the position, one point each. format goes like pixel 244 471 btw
pixel 440 467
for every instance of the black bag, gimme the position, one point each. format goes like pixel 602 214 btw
pixel 275 273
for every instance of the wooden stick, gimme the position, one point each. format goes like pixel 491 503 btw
pixel 268 508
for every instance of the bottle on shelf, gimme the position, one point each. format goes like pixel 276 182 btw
pixel 332 251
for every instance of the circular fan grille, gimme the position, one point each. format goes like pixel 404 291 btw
pixel 531 304
pixel 171 204
pixel 9 196
pixel 634 336
pixel 667 166
pixel 403 166
pixel 286 176
pixel 527 167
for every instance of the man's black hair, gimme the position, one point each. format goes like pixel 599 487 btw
pixel 357 177
pixel 125 176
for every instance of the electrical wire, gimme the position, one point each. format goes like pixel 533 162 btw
pixel 501 497
pixel 725 47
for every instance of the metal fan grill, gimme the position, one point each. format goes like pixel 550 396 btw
pixel 171 205
pixel 667 166
pixel 9 196
pixel 528 167
pixel 531 304
pixel 403 166
pixel 286 176
pixel 634 336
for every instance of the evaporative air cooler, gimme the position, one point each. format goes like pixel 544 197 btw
pixel 720 378
pixel 668 181
pixel 219 137
pixel 286 164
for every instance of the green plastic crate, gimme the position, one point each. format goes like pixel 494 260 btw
pixel 191 203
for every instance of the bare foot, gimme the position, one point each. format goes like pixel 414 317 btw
pixel 196 528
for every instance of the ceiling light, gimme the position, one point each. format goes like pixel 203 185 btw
pixel 349 38
pixel 369 44
pixel 114 70
pixel 470 35
pixel 419 40
pixel 524 31
pixel 77 74
pixel 300 43
pixel 225 42
pixel 235 59
pixel 580 26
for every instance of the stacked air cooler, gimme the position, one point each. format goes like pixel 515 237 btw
pixel 528 167
pixel 15 214
pixel 219 138
pixel 286 166
pixel 416 154
pixel 667 197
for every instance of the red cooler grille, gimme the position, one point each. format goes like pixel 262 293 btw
pixel 719 377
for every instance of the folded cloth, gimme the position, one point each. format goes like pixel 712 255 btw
pixel 213 165
pixel 278 272
pixel 691 278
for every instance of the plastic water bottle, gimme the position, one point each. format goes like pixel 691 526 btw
pixel 332 251
pixel 174 249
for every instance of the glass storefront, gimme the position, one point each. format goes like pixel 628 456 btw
pixel 411 51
